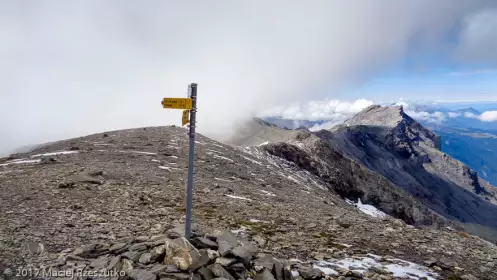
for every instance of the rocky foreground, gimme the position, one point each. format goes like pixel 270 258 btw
pixel 114 200
pixel 219 255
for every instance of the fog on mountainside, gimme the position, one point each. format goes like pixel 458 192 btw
pixel 69 69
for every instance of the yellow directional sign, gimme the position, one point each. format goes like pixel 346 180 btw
pixel 177 103
pixel 186 117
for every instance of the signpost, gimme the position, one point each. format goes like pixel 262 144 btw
pixel 185 118
pixel 177 103
pixel 189 105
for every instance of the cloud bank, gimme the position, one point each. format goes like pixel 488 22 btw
pixel 488 116
pixel 71 68
pixel 334 112
pixel 319 110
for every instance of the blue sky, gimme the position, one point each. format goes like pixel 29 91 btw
pixel 436 84
pixel 438 73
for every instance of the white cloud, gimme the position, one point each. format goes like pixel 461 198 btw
pixel 337 111
pixel 70 68
pixel 453 114
pixel 470 115
pixel 436 117
pixel 326 125
pixel 489 116
pixel 333 110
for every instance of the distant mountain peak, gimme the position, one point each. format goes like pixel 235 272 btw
pixel 377 115
pixel 263 122
pixel 469 110
pixel 394 127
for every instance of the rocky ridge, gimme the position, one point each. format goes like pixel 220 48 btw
pixel 387 141
pixel 122 185
pixel 392 145
pixel 409 138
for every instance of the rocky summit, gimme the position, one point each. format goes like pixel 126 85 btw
pixel 112 206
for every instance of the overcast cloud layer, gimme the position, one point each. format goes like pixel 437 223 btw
pixel 70 68
pixel 334 112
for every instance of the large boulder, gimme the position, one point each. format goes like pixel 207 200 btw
pixel 179 252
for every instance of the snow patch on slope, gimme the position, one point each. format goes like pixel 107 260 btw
pixel 398 267
pixel 367 209
pixel 224 158
pixel 54 153
pixel 238 197
pixel 139 152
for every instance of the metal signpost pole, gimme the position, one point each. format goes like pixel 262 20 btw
pixel 191 155
pixel 189 106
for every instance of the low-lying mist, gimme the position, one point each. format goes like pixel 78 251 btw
pixel 70 68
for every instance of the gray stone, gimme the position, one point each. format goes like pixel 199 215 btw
pixel 243 252
pixel 177 276
pixel 278 269
pixel 212 254
pixel 118 248
pixel 113 262
pixel 158 242
pixel 206 273
pixel 158 237
pixel 74 258
pixel 99 263
pixel 265 274
pixel 157 252
pixel 204 243
pixel 91 250
pixel 219 271
pixel 171 268
pixel 266 261
pixel 225 261
pixel 236 267
pixel 145 258
pixel 161 268
pixel 287 273
pixel 226 242
pixel 60 261
pixel 238 270
pixel 199 259
pixel 132 255
pixel 138 247
pixel 141 274
pixel 142 238
pixel 310 273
